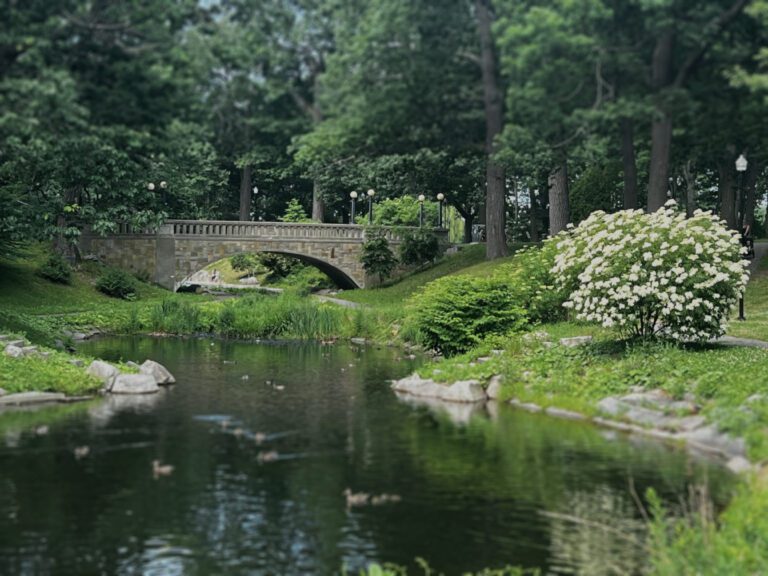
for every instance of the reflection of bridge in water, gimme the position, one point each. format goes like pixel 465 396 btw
pixel 179 248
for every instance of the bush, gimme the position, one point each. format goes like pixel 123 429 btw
pixel 654 274
pixel 454 313
pixel 419 247
pixel 279 266
pixel 56 269
pixel 377 257
pixel 116 283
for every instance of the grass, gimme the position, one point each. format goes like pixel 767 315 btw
pixel 52 374
pixel 470 259
pixel 755 307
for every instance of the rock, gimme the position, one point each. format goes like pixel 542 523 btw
pixel 464 391
pixel 134 384
pixel 754 398
pixel 575 341
pixel 78 336
pixel 687 423
pixel 611 406
pixel 30 398
pixel 59 344
pixel 14 351
pixel 494 388
pixel 709 437
pixel 361 341
pixel 16 343
pixel 527 406
pixel 159 372
pixel 561 413
pixel 29 350
pixel 133 364
pixel 44 355
pixel 739 465
pixel 3 392
pixel 77 362
pixel 104 371
pixel 4 337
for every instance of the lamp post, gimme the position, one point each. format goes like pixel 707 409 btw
pixel 421 210
pixel 371 193
pixel 256 202
pixel 741 167
pixel 353 196
pixel 440 198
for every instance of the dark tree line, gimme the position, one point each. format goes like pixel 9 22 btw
pixel 526 114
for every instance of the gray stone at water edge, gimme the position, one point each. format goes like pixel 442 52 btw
pixel 14 351
pixel 494 388
pixel 575 341
pixel 104 371
pixel 3 392
pixel 133 364
pixel 29 350
pixel 464 391
pixel 30 398
pixel 134 384
pixel 159 372
pixel 360 341
pixel 77 362
pixel 739 465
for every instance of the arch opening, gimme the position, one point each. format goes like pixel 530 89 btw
pixel 338 276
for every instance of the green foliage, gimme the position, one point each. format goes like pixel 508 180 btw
pixel 454 313
pixel 376 256
pixel 279 266
pixel 419 247
pixel 701 545
pixel 598 188
pixel 294 212
pixel 401 211
pixel 116 283
pixel 246 262
pixel 52 374
pixel 56 269
pixel 175 317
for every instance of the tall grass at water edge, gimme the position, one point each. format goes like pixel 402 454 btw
pixel 259 316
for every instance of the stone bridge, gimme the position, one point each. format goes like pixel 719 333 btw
pixel 177 249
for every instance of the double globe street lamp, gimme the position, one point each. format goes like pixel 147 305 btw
pixel 440 198
pixel 741 167
pixel 421 210
pixel 371 193
pixel 353 196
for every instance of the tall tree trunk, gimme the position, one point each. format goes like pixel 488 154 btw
pixel 245 194
pixel 535 223
pixel 690 188
pixel 559 210
pixel 727 193
pixel 495 202
pixel 629 164
pixel 468 221
pixel 318 203
pixel 661 129
pixel 750 195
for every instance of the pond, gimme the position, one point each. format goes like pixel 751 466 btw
pixel 264 438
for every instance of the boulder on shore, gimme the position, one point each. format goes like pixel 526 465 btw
pixel 104 371
pixel 462 391
pixel 159 372
pixel 134 384
pixel 14 351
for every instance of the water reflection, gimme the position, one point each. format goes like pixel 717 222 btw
pixel 479 486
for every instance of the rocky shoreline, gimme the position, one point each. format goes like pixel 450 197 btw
pixel 651 413
pixel 147 379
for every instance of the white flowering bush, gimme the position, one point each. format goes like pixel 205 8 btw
pixel 658 274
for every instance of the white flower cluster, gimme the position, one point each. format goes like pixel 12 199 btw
pixel 658 274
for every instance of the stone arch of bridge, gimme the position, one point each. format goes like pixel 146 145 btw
pixel 341 278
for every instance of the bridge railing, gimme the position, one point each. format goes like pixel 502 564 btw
pixel 267 230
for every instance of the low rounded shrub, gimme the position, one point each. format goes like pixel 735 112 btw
pixel 454 313
pixel 116 283
pixel 658 274
pixel 56 269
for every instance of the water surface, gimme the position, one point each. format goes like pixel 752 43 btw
pixel 264 439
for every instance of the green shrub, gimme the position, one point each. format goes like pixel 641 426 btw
pixel 279 266
pixel 454 313
pixel 377 257
pixel 419 247
pixel 116 283
pixel 56 269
